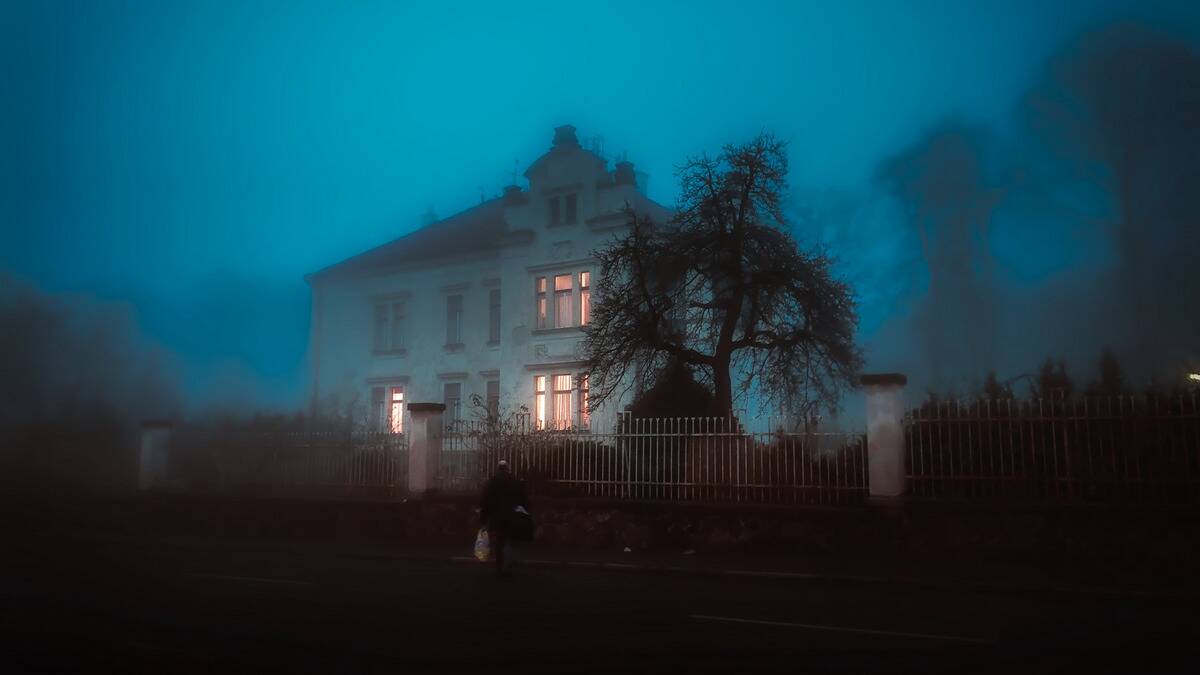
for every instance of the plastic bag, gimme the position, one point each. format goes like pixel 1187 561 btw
pixel 483 547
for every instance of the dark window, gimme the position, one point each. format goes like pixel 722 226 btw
pixel 454 319
pixel 452 397
pixel 493 398
pixel 555 216
pixel 397 328
pixel 494 315
pixel 389 327
pixel 540 299
pixel 570 209
pixel 381 342
pixel 378 409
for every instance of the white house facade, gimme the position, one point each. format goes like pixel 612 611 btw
pixel 487 302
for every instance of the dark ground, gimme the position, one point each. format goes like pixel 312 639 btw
pixel 128 605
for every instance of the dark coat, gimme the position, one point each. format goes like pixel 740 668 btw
pixel 502 493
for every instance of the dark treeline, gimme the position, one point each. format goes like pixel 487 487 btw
pixel 1097 186
pixel 78 380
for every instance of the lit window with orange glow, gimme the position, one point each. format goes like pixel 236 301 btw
pixel 585 298
pixel 539 401
pixel 562 300
pixel 540 300
pixel 396 411
pixel 585 418
pixel 562 401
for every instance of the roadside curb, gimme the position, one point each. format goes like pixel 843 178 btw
pixel 677 570
pixel 852 579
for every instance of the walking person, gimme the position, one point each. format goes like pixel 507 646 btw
pixel 503 511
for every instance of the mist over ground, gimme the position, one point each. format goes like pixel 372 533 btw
pixel 1003 183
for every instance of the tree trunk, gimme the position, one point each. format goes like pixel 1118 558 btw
pixel 723 387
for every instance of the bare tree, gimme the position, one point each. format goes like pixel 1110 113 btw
pixel 723 288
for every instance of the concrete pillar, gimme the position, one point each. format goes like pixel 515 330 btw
pixel 424 445
pixel 155 455
pixel 885 434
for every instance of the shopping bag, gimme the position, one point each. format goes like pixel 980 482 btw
pixel 483 548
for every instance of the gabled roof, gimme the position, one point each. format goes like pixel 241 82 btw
pixel 479 228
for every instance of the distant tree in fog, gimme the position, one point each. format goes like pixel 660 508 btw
pixel 723 288
pixel 77 379
pixel 1110 377
pixel 1052 381
pixel 1121 107
pixel 948 196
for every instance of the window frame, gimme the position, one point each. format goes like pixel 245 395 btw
pixel 541 305
pixel 454 319
pixel 494 316
pixel 570 208
pixel 569 294
pixel 453 413
pixel 388 327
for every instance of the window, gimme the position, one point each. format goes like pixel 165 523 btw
pixel 452 397
pixel 493 399
pixel 585 417
pixel 396 411
pixel 389 327
pixel 562 300
pixel 585 298
pixel 563 210
pixel 539 401
pixel 378 409
pixel 570 210
pixel 388 409
pixel 454 319
pixel 562 401
pixel 567 310
pixel 494 316
pixel 540 299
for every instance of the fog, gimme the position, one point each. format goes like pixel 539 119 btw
pixel 1002 182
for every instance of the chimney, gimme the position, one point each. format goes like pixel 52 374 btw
pixel 564 137
pixel 623 175
pixel 513 195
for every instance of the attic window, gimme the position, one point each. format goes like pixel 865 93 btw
pixel 563 209
pixel 570 215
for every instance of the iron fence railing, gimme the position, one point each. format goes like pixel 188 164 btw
pixel 670 459
pixel 367 464
pixel 1113 449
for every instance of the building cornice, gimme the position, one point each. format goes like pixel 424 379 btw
pixel 561 264
pixel 388 379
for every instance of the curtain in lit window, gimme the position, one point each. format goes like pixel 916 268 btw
pixel 562 401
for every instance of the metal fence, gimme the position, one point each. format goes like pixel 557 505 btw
pixel 1115 449
pixel 289 463
pixel 675 459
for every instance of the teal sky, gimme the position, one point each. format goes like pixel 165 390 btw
pixel 196 159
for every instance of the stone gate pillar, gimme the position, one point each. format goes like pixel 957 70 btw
pixel 424 445
pixel 886 473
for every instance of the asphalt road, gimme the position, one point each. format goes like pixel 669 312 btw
pixel 119 607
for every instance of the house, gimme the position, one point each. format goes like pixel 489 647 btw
pixel 487 302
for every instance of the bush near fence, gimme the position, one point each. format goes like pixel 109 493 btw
pixel 287 463
pixel 1111 449
pixel 677 459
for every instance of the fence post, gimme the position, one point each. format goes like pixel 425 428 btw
pixel 424 445
pixel 886 475
pixel 154 457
